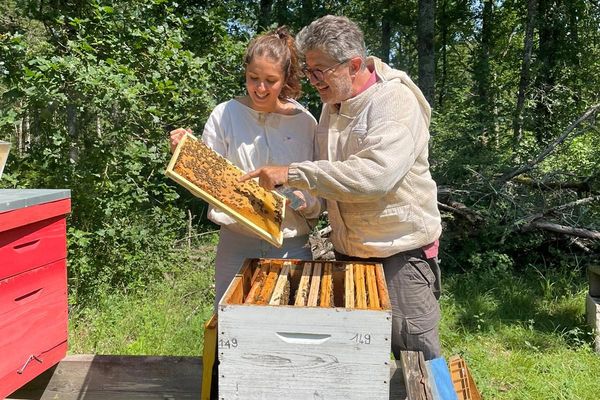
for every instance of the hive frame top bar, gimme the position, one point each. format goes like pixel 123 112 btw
pixel 308 283
pixel 275 238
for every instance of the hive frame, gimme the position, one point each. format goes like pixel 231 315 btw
pixel 275 239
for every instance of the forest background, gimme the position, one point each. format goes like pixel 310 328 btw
pixel 90 88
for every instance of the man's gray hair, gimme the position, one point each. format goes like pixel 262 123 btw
pixel 336 36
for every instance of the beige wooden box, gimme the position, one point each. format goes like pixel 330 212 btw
pixel 293 329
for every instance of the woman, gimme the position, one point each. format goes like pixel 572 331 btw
pixel 266 126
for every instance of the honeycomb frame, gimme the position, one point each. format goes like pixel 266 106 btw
pixel 210 176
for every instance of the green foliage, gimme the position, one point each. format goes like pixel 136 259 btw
pixel 164 319
pixel 98 98
pixel 89 89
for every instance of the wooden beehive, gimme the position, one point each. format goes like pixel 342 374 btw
pixel 213 178
pixel 304 329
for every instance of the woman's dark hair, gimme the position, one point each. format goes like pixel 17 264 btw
pixel 279 45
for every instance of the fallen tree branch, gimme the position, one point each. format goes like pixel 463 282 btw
pixel 462 210
pixel 539 215
pixel 589 114
pixel 579 186
pixel 575 203
pixel 580 245
pixel 566 230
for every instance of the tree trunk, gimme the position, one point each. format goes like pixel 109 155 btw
pixel 27 131
pixel 426 49
pixel 386 32
pixel 525 65
pixel 72 129
pixel 566 230
pixel 547 59
pixel 308 12
pixel 264 16
pixel 482 72
pixel 19 137
pixel 444 38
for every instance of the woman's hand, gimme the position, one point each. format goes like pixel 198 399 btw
pixel 176 135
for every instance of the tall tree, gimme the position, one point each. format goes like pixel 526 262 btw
pixel 307 12
pixel 386 32
pixel 551 53
pixel 532 6
pixel 482 71
pixel 264 14
pixel 443 23
pixel 426 48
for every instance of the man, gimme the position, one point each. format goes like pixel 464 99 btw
pixel 373 170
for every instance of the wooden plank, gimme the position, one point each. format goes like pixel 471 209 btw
pixel 315 283
pixel 104 377
pixel 269 285
pixel 279 296
pixel 414 371
pixel 326 287
pixel 120 377
pixel 247 274
pixel 349 286
pixel 208 355
pixel 258 283
pixel 213 178
pixel 29 215
pixel 373 295
pixel 255 274
pixel 294 279
pixel 360 296
pixel 302 291
pixel 235 292
pixel 384 296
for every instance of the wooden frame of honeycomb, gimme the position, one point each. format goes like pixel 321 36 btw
pixel 212 177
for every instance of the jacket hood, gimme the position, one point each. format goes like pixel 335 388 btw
pixel 387 73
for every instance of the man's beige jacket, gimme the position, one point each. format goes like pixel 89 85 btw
pixel 374 170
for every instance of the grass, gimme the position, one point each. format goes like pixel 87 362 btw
pixel 522 333
pixel 166 319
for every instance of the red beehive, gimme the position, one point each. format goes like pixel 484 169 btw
pixel 33 284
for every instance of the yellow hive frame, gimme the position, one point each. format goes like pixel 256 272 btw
pixel 275 238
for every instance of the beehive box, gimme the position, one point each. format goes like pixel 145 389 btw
pixel 213 178
pixel 298 329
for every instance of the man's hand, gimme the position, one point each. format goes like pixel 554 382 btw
pixel 176 135
pixel 268 177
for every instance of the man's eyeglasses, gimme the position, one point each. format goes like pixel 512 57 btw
pixel 319 74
